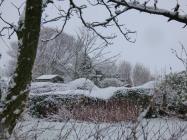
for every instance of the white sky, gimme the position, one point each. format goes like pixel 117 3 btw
pixel 155 36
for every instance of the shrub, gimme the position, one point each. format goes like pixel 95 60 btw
pixel 173 92
pixel 110 82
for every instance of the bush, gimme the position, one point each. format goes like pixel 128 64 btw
pixel 124 105
pixel 173 92
pixel 42 106
pixel 82 83
pixel 110 82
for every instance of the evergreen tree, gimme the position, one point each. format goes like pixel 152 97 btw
pixel 85 67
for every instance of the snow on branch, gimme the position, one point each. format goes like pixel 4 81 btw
pixel 172 15
pixel 46 2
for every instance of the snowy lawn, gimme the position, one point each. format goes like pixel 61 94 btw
pixel 150 129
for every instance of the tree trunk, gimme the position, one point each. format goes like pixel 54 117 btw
pixel 18 91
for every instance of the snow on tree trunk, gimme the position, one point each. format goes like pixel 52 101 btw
pixel 28 35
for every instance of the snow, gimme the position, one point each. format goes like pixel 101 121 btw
pixel 148 85
pixel 160 128
pixel 21 21
pixel 4 81
pixel 104 93
pixel 13 97
pixel 184 103
pixel 82 83
pixel 80 86
pixel 46 76
pixel 17 111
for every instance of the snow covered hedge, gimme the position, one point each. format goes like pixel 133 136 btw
pixel 108 104
pixel 173 93
pixel 110 82
pixel 82 100
pixel 82 83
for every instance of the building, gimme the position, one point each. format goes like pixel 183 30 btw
pixel 50 78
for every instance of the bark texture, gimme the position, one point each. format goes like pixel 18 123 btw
pixel 28 35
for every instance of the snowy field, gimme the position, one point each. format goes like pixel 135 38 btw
pixel 153 129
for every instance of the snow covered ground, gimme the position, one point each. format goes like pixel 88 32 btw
pixel 152 129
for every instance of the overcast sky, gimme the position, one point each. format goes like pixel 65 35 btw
pixel 155 36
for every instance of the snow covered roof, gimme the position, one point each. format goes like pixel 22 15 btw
pixel 47 77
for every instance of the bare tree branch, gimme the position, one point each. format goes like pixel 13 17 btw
pixel 172 15
pixel 183 55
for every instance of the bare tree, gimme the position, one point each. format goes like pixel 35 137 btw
pixel 182 56
pixel 55 56
pixel 52 57
pixel 66 55
pixel 141 74
pixel 84 46
pixel 69 56
pixel 89 52
pixel 109 69
pixel 125 72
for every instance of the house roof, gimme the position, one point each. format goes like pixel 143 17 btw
pixel 47 77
